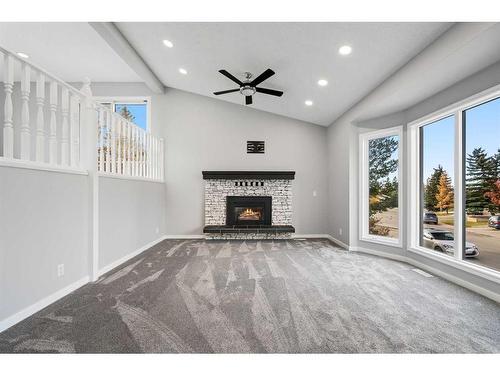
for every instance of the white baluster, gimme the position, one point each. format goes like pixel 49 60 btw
pixel 25 113
pixel 141 155
pixel 148 155
pixel 74 140
pixel 155 150
pixel 136 153
pixel 102 138
pixel 128 140
pixel 53 124
pixel 65 127
pixel 40 125
pixel 119 144
pixel 8 86
pixel 161 155
pixel 108 140
pixel 113 143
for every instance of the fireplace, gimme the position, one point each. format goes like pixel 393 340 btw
pixel 248 210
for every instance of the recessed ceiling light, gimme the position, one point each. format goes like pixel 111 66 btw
pixel 322 82
pixel 308 103
pixel 183 71
pixel 168 43
pixel 23 55
pixel 345 50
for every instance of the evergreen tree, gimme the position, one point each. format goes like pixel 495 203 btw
pixel 431 189
pixel 481 177
pixel 444 196
pixel 125 113
pixel 381 165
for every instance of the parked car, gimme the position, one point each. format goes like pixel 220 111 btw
pixel 494 222
pixel 443 241
pixel 430 218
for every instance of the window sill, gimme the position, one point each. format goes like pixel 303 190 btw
pixel 382 241
pixel 124 177
pixel 23 164
pixel 480 271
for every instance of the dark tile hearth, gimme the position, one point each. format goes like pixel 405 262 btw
pixel 267 229
pixel 287 296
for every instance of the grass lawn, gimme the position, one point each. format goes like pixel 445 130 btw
pixel 468 224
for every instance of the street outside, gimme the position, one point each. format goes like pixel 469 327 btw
pixel 485 238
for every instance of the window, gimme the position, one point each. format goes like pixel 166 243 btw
pixel 454 185
pixel 482 184
pixel 135 110
pixel 381 186
pixel 436 184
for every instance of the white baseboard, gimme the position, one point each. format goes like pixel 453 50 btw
pixel 127 257
pixel 456 280
pixel 44 302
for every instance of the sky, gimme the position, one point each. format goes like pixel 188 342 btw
pixel 138 110
pixel 482 129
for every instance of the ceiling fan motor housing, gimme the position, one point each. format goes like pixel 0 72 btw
pixel 247 90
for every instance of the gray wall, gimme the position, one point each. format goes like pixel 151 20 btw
pixel 131 215
pixel 202 133
pixel 469 86
pixel 43 223
pixel 207 134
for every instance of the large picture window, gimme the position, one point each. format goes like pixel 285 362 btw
pixel 381 186
pixel 482 184
pixel 454 185
pixel 436 176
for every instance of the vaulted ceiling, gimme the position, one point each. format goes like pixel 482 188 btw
pixel 299 53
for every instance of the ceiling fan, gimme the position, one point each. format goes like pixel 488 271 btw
pixel 248 88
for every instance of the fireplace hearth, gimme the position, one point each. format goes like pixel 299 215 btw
pixel 248 210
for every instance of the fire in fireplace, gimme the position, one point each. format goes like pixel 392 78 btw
pixel 248 210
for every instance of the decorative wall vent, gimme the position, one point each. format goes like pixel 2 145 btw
pixel 255 147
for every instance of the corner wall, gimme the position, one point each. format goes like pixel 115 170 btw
pixel 131 216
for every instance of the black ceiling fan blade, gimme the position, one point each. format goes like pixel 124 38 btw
pixel 230 76
pixel 248 100
pixel 269 91
pixel 225 91
pixel 268 73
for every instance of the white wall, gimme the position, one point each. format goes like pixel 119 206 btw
pixel 43 223
pixel 131 215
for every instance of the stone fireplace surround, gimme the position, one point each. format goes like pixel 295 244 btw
pixel 275 184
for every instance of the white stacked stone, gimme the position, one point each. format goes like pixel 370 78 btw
pixel 216 192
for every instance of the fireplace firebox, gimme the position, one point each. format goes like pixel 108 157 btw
pixel 248 210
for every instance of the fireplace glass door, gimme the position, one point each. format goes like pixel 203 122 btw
pixel 248 211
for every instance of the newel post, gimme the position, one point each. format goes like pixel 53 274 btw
pixel 88 142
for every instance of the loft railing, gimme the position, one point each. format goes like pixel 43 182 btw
pixel 43 124
pixel 47 123
pixel 126 149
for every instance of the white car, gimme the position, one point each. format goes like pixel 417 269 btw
pixel 443 240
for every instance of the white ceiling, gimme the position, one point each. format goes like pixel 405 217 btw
pixel 71 51
pixel 299 53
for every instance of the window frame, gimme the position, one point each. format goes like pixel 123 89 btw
pixel 113 100
pixel 364 143
pixel 457 110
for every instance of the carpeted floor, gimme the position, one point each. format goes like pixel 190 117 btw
pixel 262 296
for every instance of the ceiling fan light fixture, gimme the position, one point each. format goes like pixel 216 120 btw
pixel 247 90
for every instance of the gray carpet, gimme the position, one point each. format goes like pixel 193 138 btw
pixel 264 297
